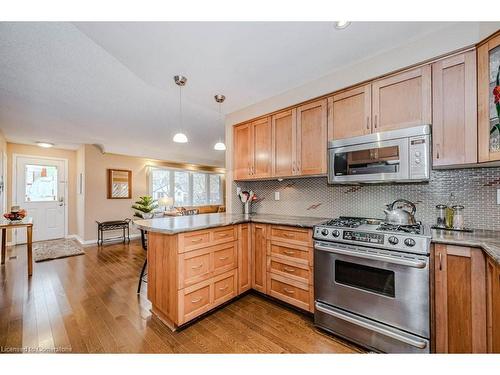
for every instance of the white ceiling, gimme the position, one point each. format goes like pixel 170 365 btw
pixel 112 83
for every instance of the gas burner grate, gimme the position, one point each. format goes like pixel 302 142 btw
pixel 352 222
pixel 412 228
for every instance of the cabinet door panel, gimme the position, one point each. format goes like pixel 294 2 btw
pixel 460 299
pixel 259 255
pixel 244 258
pixel 454 127
pixel 311 138
pixel 243 151
pixel 402 100
pixel 261 134
pixel 493 306
pixel 487 68
pixel 284 143
pixel 349 113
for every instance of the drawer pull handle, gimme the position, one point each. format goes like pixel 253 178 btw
pixel 196 240
pixel 223 287
pixel 288 235
pixel 289 291
pixel 223 258
pixel 197 267
pixel 196 300
pixel 289 269
pixel 289 252
pixel 222 234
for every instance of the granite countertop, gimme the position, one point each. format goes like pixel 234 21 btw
pixel 180 224
pixel 488 240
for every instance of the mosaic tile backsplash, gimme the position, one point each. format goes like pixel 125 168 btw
pixel 475 188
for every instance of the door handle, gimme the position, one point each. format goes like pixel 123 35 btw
pixel 381 258
pixel 61 201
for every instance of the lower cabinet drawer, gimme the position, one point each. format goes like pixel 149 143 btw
pixel 290 291
pixel 200 298
pixel 194 301
pixel 226 258
pixel 299 254
pixel 295 271
pixel 225 287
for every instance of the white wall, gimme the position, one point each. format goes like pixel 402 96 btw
pixel 434 44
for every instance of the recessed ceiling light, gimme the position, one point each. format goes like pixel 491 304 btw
pixel 45 144
pixel 340 25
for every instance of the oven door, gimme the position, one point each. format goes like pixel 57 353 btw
pixel 385 286
pixel 380 161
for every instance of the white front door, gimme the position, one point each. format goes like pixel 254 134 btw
pixel 40 190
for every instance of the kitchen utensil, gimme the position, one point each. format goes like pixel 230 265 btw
pixel 395 214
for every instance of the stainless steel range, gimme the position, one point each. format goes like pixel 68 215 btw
pixel 371 283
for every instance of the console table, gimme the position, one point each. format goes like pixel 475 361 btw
pixel 104 226
pixel 27 222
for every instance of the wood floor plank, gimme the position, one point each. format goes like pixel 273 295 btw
pixel 88 304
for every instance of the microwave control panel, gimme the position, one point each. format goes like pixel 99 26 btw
pixel 419 157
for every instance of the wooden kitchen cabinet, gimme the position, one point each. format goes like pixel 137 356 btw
pixel 460 299
pixel 402 100
pixel 244 258
pixel 243 152
pixel 261 138
pixel 488 57
pixel 259 256
pixel 312 138
pixel 284 143
pixel 350 113
pixel 454 108
pixel 493 306
pixel 252 149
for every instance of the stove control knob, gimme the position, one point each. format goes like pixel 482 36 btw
pixel 393 240
pixel 324 232
pixel 410 242
pixel 335 233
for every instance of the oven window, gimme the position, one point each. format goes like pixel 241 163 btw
pixel 368 161
pixel 373 279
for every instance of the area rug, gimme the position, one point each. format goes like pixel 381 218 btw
pixel 54 249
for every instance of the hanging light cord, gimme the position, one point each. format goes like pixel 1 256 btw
pixel 180 108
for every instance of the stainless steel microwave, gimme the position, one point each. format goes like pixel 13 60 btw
pixel 402 155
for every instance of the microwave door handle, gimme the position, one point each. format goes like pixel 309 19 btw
pixel 381 258
pixel 372 327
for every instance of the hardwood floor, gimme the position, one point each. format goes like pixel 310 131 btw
pixel 88 304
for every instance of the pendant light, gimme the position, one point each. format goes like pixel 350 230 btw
pixel 180 137
pixel 220 146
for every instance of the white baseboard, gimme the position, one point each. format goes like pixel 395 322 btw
pixel 94 241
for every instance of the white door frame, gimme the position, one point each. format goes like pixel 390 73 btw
pixel 5 182
pixel 14 185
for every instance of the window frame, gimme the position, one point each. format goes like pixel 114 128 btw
pixel 190 173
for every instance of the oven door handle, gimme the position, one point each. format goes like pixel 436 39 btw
pixel 381 258
pixel 364 323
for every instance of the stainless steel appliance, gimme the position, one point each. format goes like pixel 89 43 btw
pixel 394 156
pixel 395 214
pixel 371 283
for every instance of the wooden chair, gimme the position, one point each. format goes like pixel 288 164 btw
pixel 144 241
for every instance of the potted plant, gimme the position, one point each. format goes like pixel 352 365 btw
pixel 145 206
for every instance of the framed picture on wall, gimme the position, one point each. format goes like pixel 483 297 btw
pixel 119 184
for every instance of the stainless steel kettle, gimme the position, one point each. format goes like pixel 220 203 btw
pixel 395 214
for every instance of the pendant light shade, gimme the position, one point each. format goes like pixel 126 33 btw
pixel 180 137
pixel 220 146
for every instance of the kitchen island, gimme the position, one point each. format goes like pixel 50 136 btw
pixel 196 263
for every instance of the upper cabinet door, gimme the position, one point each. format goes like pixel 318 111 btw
pixel 284 143
pixel 243 151
pixel 349 113
pixel 261 134
pixel 311 138
pixel 402 100
pixel 454 98
pixel 488 85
